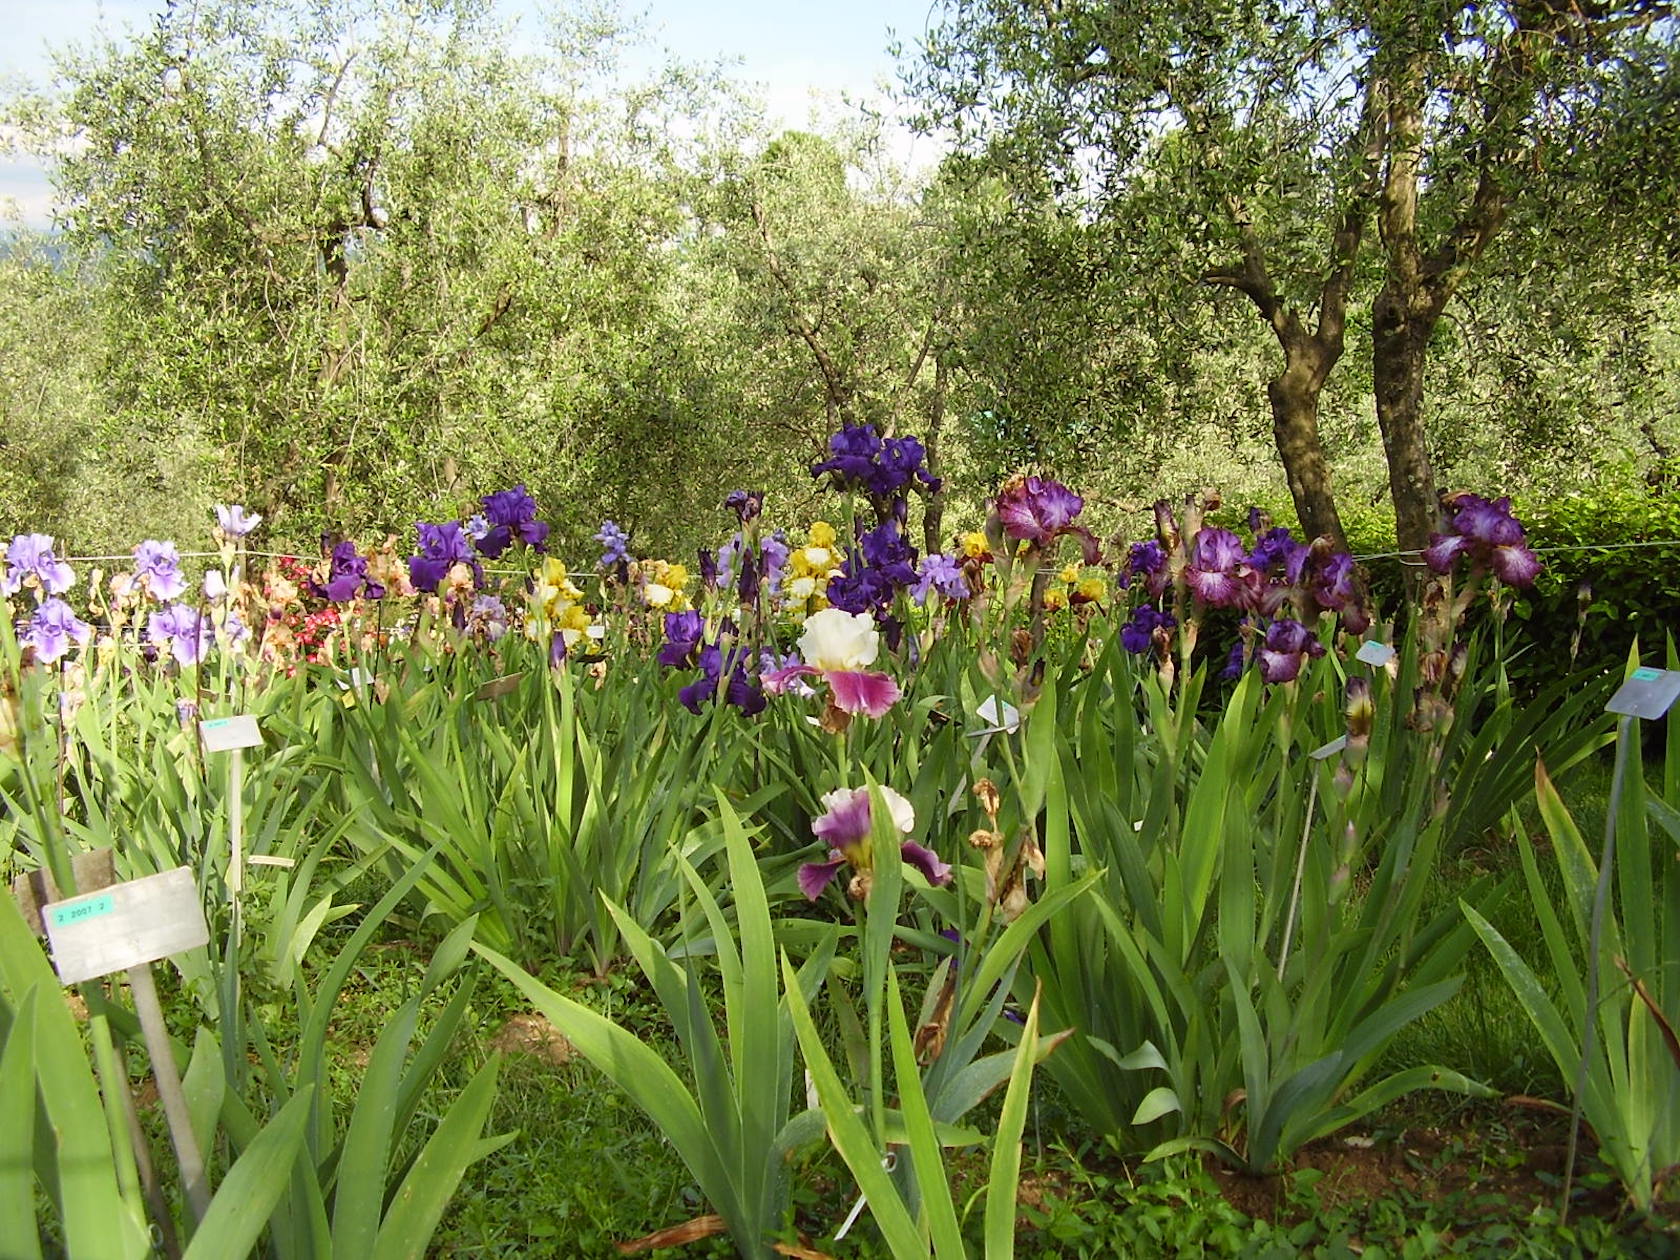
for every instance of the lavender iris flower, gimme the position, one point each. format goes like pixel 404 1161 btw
pixel 234 521
pixel 475 526
pixel 52 629
pixel 512 514
pixel 1218 573
pixel 942 574
pixel 442 547
pixel 615 544
pixel 31 556
pixel 184 631
pixel 157 568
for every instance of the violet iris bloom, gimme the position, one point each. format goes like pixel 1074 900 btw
pixel 1287 646
pixel 1138 634
pixel 1485 531
pixel 31 556
pixel 740 689
pixel 184 631
pixel 859 460
pixel 157 568
pixel 346 577
pixel 683 632
pixel 942 574
pixel 615 544
pixel 1218 573
pixel 512 514
pixel 746 504
pixel 1040 510
pixel 442 547
pixel 1146 560
pixel 52 629
pixel 846 827
pixel 234 521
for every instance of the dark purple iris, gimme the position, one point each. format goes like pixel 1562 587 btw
pixel 1147 624
pixel 683 632
pixel 1146 560
pixel 442 547
pixel 860 461
pixel 511 514
pixel 346 577
pixel 1218 573
pixel 741 689
pixel 1287 646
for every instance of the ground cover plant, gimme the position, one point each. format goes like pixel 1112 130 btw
pixel 850 866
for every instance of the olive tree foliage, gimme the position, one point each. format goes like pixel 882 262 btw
pixel 1338 167
pixel 376 263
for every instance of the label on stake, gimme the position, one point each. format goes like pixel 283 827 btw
pixel 1648 693
pixel 226 734
pixel 125 925
pixel 1373 653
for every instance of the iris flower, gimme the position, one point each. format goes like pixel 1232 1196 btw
pixel 347 577
pixel 837 647
pixel 31 556
pixel 52 629
pixel 1485 531
pixel 1288 645
pixel 234 521
pixel 1040 510
pixel 943 575
pixel 183 630
pixel 615 544
pixel 845 825
pixel 157 567
pixel 511 514
pixel 442 547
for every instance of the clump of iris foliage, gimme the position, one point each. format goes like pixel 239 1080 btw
pixel 885 833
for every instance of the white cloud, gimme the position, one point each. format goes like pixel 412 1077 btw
pixel 26 198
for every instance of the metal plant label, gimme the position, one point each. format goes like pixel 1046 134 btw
pixel 125 925
pixel 1373 653
pixel 1647 693
pixel 226 734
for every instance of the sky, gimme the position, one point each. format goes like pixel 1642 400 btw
pixel 787 47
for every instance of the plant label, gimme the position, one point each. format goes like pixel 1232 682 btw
pixel 498 687
pixel 1329 750
pixel 226 734
pixel 1010 719
pixel 126 925
pixel 1647 693
pixel 1373 653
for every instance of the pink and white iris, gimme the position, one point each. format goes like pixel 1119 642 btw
pixel 837 647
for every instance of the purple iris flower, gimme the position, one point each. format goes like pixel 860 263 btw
pixel 846 824
pixel 489 614
pixel 1138 634
pixel 1218 573
pixel 234 521
pixel 442 547
pixel 1277 549
pixel 741 689
pixel 1040 510
pixel 708 569
pixel 852 453
pixel 512 514
pixel 746 586
pixel 184 631
pixel 886 551
pixel 683 632
pixel 52 628
pixel 1287 646
pixel 1147 560
pixel 31 555
pixel 746 504
pixel 157 568
pixel 1234 661
pixel 940 573
pixel 346 577
pixel 615 544
pixel 903 460
pixel 776 551
pixel 1485 531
